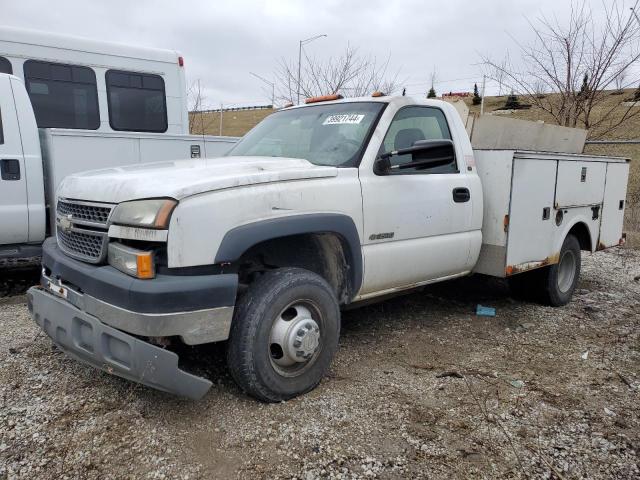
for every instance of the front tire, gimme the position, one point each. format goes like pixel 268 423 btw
pixel 284 334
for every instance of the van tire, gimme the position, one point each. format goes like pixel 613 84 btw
pixel 262 341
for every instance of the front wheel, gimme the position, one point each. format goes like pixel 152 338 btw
pixel 284 334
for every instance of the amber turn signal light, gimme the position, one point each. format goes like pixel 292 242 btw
pixel 323 98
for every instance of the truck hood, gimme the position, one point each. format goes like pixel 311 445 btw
pixel 183 178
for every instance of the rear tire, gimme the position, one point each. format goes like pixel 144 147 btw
pixel 559 281
pixel 553 285
pixel 284 334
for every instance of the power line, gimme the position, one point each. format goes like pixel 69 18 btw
pixel 444 81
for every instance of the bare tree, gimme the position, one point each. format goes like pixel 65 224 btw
pixel 576 62
pixel 500 75
pixel 620 81
pixel 195 104
pixel 350 74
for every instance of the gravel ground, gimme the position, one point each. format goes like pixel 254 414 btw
pixel 421 388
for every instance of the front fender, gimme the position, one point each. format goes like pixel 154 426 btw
pixel 238 240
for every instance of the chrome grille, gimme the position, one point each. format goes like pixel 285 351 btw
pixel 88 212
pixel 81 229
pixel 85 246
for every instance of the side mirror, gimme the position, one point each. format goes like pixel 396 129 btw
pixel 382 165
pixel 424 154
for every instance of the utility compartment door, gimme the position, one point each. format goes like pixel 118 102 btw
pixel 14 217
pixel 580 183
pixel 531 215
pixel 614 202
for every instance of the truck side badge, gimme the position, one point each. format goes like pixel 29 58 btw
pixel 381 236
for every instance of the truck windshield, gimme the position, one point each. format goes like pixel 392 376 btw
pixel 332 134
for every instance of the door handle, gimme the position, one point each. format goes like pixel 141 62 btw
pixel 9 169
pixel 461 195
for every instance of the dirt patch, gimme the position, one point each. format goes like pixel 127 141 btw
pixel 421 388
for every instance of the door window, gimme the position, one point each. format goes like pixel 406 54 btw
pixel 410 125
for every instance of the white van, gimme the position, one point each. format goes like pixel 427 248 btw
pixel 85 84
pixel 69 105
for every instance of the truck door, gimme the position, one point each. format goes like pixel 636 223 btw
pixel 417 222
pixel 14 219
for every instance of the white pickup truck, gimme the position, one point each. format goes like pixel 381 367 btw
pixel 318 207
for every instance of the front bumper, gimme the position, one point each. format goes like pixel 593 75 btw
pixel 85 338
pixel 197 308
pixel 96 314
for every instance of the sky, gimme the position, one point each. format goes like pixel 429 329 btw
pixel 222 41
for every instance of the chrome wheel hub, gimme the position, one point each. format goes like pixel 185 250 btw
pixel 566 271
pixel 295 337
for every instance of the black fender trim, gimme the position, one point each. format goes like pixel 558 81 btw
pixel 238 240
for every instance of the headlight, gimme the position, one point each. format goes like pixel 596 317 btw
pixel 144 213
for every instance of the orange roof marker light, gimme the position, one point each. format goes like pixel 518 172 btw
pixel 324 98
pixel 378 94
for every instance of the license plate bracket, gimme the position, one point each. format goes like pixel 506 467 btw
pixel 57 289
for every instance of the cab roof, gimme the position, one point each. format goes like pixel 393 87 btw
pixel 390 99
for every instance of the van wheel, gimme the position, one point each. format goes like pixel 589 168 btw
pixel 284 334
pixel 560 280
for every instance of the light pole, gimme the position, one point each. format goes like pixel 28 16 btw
pixel 304 42
pixel 273 87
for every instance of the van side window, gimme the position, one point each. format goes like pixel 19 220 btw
pixel 137 102
pixel 5 66
pixel 63 96
pixel 1 130
pixel 412 124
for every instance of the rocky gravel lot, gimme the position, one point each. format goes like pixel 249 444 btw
pixel 421 388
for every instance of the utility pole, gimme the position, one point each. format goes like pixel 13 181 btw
pixel 220 118
pixel 301 43
pixel 484 81
pixel 204 143
pixel 271 84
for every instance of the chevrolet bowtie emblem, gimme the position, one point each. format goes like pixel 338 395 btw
pixel 65 223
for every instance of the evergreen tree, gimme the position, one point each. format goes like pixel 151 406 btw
pixel 512 102
pixel 432 93
pixel 584 89
pixel 477 99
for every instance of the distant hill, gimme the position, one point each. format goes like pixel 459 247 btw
pixel 235 122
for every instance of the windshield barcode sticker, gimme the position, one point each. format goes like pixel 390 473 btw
pixel 343 119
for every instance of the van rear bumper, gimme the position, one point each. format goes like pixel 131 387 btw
pixel 85 338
